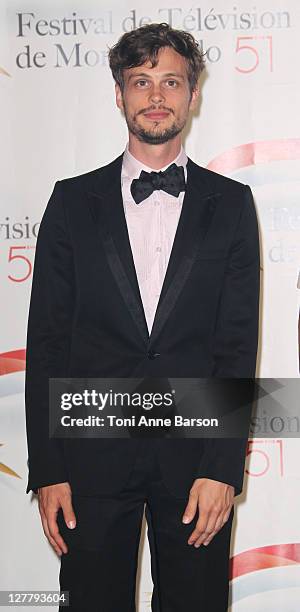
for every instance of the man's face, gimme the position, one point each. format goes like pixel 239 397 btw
pixel 156 101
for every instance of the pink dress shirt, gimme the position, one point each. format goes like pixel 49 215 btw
pixel 151 227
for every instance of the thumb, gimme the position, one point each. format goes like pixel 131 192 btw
pixel 191 508
pixel 69 514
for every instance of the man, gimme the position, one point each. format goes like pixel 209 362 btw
pixel 140 273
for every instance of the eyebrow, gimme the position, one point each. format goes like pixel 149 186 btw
pixel 144 74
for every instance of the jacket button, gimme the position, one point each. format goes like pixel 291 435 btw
pixel 152 354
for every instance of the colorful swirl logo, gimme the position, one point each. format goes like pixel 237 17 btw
pixel 266 578
pixel 3 72
pixel 7 470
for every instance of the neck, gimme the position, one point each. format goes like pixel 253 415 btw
pixel 154 156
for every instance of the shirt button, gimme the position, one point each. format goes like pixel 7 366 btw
pixel 158 249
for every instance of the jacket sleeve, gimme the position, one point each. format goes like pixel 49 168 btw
pixel 48 340
pixel 236 339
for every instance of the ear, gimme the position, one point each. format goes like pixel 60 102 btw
pixel 119 97
pixel 194 98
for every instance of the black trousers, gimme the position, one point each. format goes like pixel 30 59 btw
pixel 99 570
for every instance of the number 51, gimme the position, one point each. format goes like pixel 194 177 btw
pixel 251 50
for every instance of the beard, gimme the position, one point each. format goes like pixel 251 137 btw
pixel 153 135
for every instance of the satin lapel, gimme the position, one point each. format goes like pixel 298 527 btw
pixel 197 212
pixel 106 204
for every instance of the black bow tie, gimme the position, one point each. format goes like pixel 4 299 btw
pixel 170 180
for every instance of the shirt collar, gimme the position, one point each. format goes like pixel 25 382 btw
pixel 132 167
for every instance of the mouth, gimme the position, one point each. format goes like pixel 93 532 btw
pixel 156 115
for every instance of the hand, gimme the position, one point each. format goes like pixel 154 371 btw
pixel 214 500
pixel 51 498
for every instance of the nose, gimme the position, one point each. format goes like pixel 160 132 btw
pixel 156 95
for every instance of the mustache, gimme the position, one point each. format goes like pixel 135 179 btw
pixel 154 109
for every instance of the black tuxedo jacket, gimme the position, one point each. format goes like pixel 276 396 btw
pixel 86 319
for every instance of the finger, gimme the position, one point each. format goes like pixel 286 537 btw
pixel 48 536
pixel 210 533
pixel 68 512
pixel 200 526
pixel 54 531
pixel 191 508
pixel 227 513
pixel 208 540
pixel 205 526
pixel 223 518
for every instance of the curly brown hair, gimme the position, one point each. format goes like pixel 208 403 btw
pixel 138 46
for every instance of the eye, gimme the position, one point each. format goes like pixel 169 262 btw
pixel 141 82
pixel 172 82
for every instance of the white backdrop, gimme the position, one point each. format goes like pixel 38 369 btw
pixel 58 118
